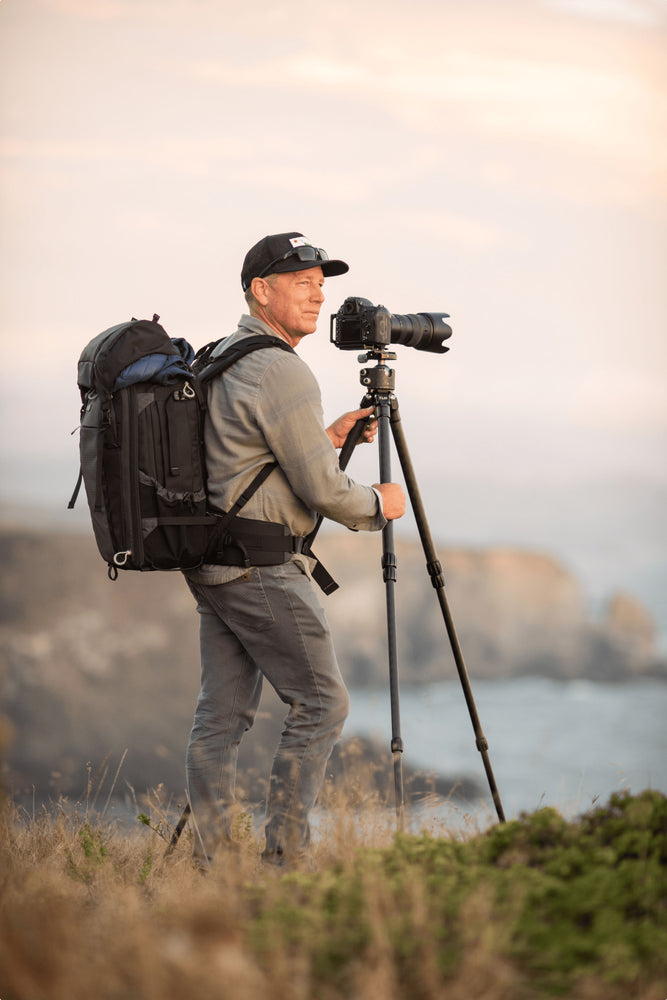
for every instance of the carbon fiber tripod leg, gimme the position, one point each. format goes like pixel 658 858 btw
pixel 389 576
pixel 180 826
pixel 437 579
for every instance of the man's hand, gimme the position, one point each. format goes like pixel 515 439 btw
pixel 393 499
pixel 341 428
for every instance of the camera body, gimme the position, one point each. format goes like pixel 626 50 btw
pixel 359 325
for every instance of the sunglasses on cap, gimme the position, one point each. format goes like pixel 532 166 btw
pixel 305 253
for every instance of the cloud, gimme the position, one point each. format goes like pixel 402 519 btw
pixel 601 105
pixel 515 79
pixel 646 13
pixel 196 156
pixel 146 10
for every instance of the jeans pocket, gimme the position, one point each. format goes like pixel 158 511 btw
pixel 243 601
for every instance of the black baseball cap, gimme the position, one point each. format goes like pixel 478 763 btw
pixel 287 252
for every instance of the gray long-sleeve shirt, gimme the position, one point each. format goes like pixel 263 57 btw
pixel 268 406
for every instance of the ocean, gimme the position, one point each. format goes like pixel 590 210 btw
pixel 569 745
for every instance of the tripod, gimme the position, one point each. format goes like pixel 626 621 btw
pixel 379 382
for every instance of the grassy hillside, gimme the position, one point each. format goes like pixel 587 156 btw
pixel 533 908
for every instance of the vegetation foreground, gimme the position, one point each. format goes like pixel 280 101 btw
pixel 532 908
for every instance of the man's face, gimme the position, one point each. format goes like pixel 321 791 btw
pixel 293 302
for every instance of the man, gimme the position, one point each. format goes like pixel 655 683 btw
pixel 265 620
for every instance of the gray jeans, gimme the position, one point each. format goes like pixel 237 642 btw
pixel 266 623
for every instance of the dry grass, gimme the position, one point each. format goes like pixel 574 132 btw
pixel 89 909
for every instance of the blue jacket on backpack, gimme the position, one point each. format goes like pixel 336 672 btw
pixel 159 368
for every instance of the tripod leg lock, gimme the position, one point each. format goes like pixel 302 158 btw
pixel 481 744
pixel 435 572
pixel 389 567
pixel 396 744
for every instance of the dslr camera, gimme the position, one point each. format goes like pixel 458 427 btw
pixel 359 326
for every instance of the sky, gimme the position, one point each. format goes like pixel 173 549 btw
pixel 503 161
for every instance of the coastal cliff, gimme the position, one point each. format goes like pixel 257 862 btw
pixel 89 667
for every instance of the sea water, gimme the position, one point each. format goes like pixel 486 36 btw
pixel 563 744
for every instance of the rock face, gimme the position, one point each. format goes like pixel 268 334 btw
pixel 516 613
pixel 89 667
pixel 631 626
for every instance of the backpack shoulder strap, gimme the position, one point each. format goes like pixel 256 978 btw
pixel 202 356
pixel 208 369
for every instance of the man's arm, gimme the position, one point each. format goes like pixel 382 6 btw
pixel 289 413
pixel 392 497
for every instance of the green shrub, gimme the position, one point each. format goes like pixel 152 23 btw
pixel 563 902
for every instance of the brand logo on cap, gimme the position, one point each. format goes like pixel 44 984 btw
pixel 300 241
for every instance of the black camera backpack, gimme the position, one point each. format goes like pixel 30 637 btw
pixel 141 446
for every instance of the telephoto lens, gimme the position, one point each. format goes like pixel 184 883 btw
pixel 423 331
pixel 359 325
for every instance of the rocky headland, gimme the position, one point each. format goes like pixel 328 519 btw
pixel 90 667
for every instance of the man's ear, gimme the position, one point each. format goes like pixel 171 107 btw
pixel 260 288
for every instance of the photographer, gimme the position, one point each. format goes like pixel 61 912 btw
pixel 266 620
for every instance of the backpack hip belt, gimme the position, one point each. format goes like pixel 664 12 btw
pixel 255 543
